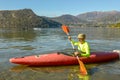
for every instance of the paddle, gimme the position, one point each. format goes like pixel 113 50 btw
pixel 82 67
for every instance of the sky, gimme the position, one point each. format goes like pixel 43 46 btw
pixel 54 8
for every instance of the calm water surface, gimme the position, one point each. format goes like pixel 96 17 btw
pixel 23 43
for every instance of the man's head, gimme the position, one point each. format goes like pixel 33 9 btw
pixel 81 37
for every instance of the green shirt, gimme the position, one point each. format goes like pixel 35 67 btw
pixel 84 48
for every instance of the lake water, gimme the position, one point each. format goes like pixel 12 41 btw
pixel 23 43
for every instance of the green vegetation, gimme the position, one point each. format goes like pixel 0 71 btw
pixel 117 25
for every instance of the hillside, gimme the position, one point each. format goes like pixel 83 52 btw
pixel 104 17
pixel 95 18
pixel 24 19
pixel 69 20
pixel 27 19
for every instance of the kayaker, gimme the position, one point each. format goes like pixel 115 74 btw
pixel 83 46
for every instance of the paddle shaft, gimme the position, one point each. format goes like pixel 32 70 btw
pixel 71 43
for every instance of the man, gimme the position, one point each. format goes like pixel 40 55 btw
pixel 83 46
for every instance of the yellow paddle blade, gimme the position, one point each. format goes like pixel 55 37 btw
pixel 65 29
pixel 82 67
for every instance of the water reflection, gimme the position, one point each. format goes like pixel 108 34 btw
pixel 78 77
pixel 72 71
pixel 84 77
pixel 17 35
pixel 29 34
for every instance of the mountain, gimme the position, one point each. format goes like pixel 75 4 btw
pixel 104 17
pixel 68 19
pixel 24 19
pixel 27 19
pixel 95 18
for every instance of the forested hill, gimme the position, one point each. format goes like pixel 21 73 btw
pixel 24 19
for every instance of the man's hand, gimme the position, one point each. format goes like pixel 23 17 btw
pixel 69 37
pixel 76 53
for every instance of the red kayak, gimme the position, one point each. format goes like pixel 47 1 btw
pixel 59 59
